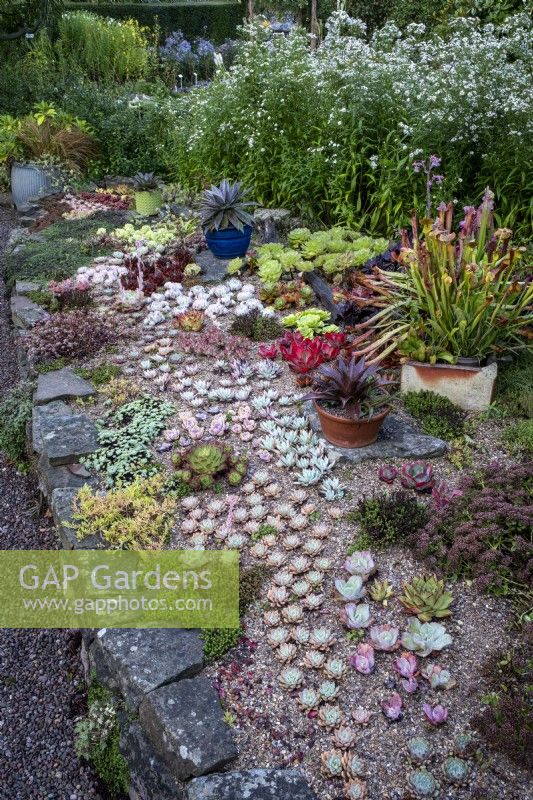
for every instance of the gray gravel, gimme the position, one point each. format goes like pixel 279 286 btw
pixel 41 685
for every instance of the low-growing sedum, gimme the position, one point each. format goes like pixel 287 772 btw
pixel 134 517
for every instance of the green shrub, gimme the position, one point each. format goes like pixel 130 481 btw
pixel 386 519
pixel 438 415
pixel 256 327
pixel 15 411
pixel 518 437
pixel 104 49
pixel 97 741
pixel 214 20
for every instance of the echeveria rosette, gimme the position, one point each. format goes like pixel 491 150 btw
pixel 353 589
pixel 436 715
pixel 438 677
pixel 360 563
pixel 392 707
pixel 388 474
pixel 406 666
pixel 363 659
pixel 385 637
pixel 423 638
pixel 356 616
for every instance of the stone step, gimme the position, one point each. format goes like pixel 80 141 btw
pixel 184 723
pixel 25 313
pixel 137 661
pixel 66 438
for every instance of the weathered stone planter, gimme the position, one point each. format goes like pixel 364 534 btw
pixel 470 388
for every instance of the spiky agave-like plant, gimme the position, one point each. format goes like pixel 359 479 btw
pixel 352 385
pixel 224 206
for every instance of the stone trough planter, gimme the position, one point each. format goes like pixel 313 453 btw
pixel 470 388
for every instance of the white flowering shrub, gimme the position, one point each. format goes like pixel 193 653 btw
pixel 335 132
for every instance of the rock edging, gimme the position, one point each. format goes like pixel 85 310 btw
pixel 173 734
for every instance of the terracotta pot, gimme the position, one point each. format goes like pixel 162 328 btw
pixel 344 432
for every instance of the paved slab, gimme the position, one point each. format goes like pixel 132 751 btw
pixel 397 439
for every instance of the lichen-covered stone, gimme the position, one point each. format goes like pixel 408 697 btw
pixel 25 313
pixel 150 777
pixel 65 437
pixel 185 725
pixel 253 784
pixel 137 661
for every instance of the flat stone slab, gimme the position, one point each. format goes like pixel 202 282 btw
pixel 61 384
pixel 25 313
pixel 61 505
pixel 66 438
pixel 213 269
pixel 138 661
pixel 397 439
pixel 253 784
pixel 184 723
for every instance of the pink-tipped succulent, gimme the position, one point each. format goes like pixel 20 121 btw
pixel 392 707
pixel 417 475
pixel 438 677
pixel 385 637
pixel 406 666
pixel 436 715
pixel 363 659
pixel 388 474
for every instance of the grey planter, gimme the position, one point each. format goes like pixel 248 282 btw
pixel 28 180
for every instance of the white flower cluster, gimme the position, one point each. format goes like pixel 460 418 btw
pixel 233 297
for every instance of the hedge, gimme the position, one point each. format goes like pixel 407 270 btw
pixel 216 20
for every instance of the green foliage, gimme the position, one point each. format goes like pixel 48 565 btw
pixel 65 247
pixel 218 641
pixel 175 487
pixel 438 415
pixel 51 366
pixel 200 464
pixel 264 530
pixel 310 323
pixel 104 49
pixel 424 597
pixel 216 20
pixel 100 375
pixel 42 297
pixel 349 138
pixel 386 519
pixel 134 517
pixel 256 327
pixel 514 386
pixel 97 740
pixel 15 411
pixel 124 437
pixel 518 437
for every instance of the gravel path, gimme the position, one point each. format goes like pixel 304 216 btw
pixel 41 685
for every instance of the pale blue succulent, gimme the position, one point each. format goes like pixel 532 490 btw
pixel 332 489
pixel 308 477
pixel 356 615
pixel 352 590
pixel 423 638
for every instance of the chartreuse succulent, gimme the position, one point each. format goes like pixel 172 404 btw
pixel 425 596
pixel 310 323
pixel 201 464
pixel 380 591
